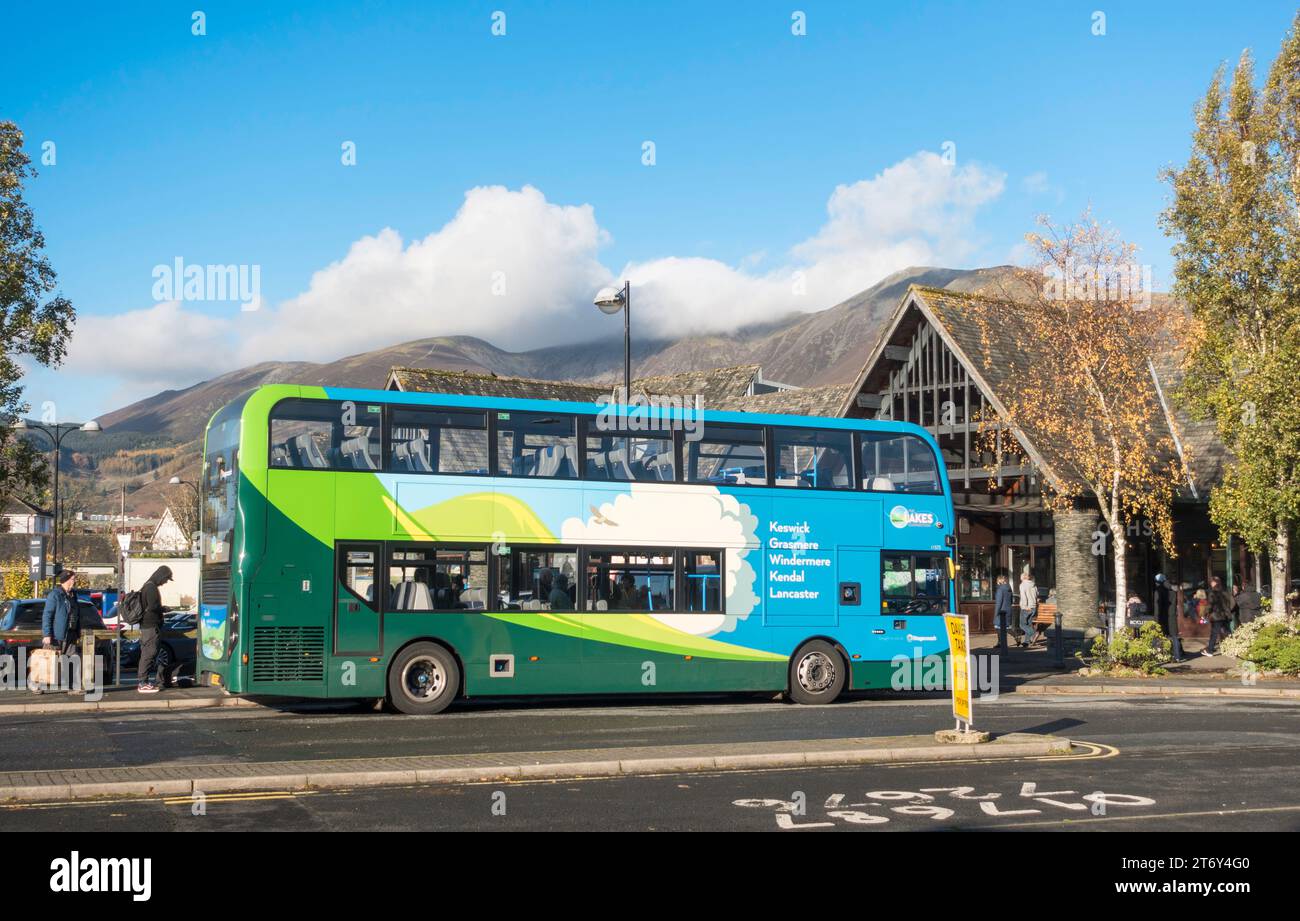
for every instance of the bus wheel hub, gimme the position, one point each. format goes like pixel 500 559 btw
pixel 423 678
pixel 816 672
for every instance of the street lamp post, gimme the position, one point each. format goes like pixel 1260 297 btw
pixel 198 504
pixel 56 433
pixel 611 301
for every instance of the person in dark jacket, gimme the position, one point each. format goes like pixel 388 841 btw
pixel 60 620
pixel 60 625
pixel 1002 596
pixel 1163 598
pixel 1220 605
pixel 151 631
pixel 1248 603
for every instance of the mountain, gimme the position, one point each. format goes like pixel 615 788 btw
pixel 807 349
pixel 148 442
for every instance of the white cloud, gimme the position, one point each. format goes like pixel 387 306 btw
pixel 918 212
pixel 518 270
pixel 151 349
pixel 507 267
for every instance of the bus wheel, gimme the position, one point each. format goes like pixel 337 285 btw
pixel 423 679
pixel 817 673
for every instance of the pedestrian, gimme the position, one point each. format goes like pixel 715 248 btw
pixel 1137 608
pixel 151 631
pixel 1164 602
pixel 1028 608
pixel 1248 603
pixel 1220 613
pixel 1002 604
pixel 60 620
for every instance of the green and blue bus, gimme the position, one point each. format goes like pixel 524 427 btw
pixel 420 547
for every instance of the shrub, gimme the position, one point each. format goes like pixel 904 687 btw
pixel 1239 641
pixel 1276 648
pixel 1144 650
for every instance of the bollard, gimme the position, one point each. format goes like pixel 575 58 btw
pixel 87 661
pixel 1060 640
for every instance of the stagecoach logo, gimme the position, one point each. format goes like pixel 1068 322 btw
pixel 900 517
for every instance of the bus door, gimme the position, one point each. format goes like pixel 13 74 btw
pixel 914 595
pixel 358 598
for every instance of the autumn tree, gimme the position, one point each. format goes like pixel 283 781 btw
pixel 1087 332
pixel 1235 216
pixel 35 323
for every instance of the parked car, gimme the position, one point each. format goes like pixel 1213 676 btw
pixel 179 648
pixel 25 614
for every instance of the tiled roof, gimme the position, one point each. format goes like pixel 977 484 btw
pixel 435 380
pixel 1000 357
pixel 713 385
pixel 805 401
pixel 717 388
pixel 15 505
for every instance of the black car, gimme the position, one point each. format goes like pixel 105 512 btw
pixel 178 650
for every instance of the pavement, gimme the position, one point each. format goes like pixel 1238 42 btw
pixel 1019 671
pixel 1136 763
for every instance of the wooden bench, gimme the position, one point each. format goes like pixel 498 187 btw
pixel 1046 614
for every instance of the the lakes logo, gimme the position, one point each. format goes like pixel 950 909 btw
pixel 900 516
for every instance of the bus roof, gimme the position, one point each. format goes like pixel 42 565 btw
pixel 660 406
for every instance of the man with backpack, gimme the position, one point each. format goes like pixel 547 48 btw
pixel 151 618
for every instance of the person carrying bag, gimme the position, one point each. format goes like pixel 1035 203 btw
pixel 60 632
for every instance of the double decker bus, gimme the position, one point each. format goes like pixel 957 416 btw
pixel 420 547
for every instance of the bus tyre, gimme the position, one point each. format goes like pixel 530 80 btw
pixel 423 679
pixel 817 673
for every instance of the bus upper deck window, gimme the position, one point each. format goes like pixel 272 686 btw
pixel 326 435
pixel 727 454
pixel 813 459
pixel 537 445
pixel 898 463
pixel 438 441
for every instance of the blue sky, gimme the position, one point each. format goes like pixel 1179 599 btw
pixel 226 148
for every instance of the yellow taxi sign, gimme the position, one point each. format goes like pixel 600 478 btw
pixel 959 665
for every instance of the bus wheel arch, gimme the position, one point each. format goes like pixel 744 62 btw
pixel 425 675
pixel 819 671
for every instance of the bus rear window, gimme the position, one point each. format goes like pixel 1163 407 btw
pixel 220 482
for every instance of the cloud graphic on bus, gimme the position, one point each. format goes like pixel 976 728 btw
pixel 656 515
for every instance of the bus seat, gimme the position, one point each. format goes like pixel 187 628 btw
pixel 280 455
pixel 596 466
pixel 602 605
pixel 399 595
pixel 570 466
pixel 308 453
pixel 416 451
pixel 548 463
pixel 474 598
pixel 419 598
pixel 356 453
pixel 881 484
